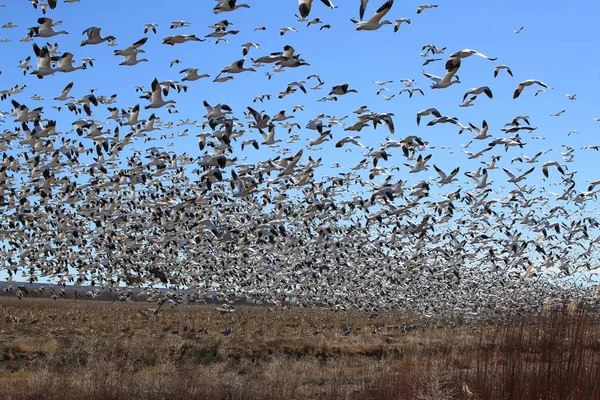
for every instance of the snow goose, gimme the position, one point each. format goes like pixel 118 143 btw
pixel 429 111
pixel 526 83
pixel 420 165
pixel 246 48
pixel 134 48
pixel 479 90
pixel 45 29
pixel 235 68
pixel 445 81
pixel 497 69
pixel 412 91
pixel 65 63
pixel 24 65
pixel 228 5
pixel 177 39
pixel 425 7
pixel 44 67
pixel 286 29
pixel 516 32
pixel 516 179
pixel 375 21
pixel 157 100
pixel 10 25
pixel 93 36
pixel 304 6
pixel 558 114
pixel 191 74
pixel 481 134
pixel 179 24
pixel 468 102
pixel 571 96
pixel 446 178
pixel 342 89
pixel 131 59
pixel 150 27
pixel 399 22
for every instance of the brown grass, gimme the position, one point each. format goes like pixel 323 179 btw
pixel 100 350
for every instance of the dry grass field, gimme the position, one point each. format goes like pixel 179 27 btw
pixel 70 349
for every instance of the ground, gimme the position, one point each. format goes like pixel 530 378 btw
pixel 80 349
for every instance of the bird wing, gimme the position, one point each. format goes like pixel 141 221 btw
pixel 363 7
pixel 380 13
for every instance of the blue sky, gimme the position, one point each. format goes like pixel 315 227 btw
pixel 550 49
pixel 557 46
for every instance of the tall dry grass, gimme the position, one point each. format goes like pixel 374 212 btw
pixel 83 350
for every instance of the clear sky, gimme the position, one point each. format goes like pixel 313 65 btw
pixel 557 46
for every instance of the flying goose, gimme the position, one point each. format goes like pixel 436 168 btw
pixel 518 30
pixel 150 27
pixel 497 69
pixel 304 6
pixel 481 134
pixel 571 96
pixel 526 83
pixel 425 7
pixel 516 179
pixel 399 21
pixel 65 63
pixel 246 48
pixel 445 81
pixel 235 68
pixel 93 36
pixel 429 111
pixel 375 22
pixel 131 59
pixel 479 90
pixel 468 102
pixel 191 74
pixel 44 67
pixel 340 90
pixel 411 91
pixel 45 29
pixel 558 114
pixel 156 100
pixel 446 178
pixel 134 48
pixel 177 39
pixel 286 29
pixel 228 5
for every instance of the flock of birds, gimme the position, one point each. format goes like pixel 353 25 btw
pixel 91 197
